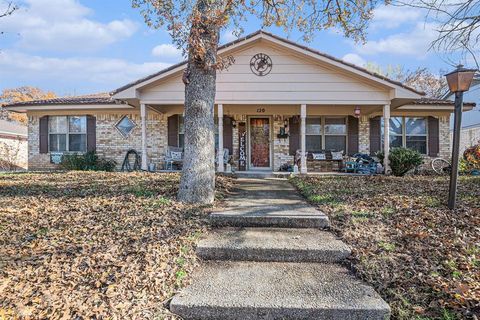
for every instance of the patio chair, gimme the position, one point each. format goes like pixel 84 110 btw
pixel 226 157
pixel 174 156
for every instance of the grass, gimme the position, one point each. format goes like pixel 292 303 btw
pixel 90 245
pixel 420 256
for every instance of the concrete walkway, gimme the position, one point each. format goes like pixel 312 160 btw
pixel 272 258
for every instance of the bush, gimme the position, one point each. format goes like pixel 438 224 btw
pixel 87 162
pixel 402 160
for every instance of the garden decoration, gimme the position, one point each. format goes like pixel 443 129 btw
pixel 472 158
pixel 441 166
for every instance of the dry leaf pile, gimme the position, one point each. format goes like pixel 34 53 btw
pixel 421 257
pixel 90 245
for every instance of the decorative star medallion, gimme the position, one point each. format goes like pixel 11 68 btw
pixel 261 64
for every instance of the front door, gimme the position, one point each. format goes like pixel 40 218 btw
pixel 259 138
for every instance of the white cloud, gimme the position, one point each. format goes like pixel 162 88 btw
pixel 355 59
pixel 113 73
pixel 391 17
pixel 413 43
pixel 167 51
pixel 228 36
pixel 63 25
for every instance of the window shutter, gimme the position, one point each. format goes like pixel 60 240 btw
pixel 433 137
pixel 352 135
pixel 294 129
pixel 375 135
pixel 43 134
pixel 173 130
pixel 228 134
pixel 91 133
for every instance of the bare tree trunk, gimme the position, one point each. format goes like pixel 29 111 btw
pixel 197 184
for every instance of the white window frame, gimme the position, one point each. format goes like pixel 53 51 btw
pixel 67 134
pixel 404 134
pixel 323 133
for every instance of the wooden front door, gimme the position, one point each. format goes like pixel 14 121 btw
pixel 260 155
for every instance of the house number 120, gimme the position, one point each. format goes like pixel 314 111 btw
pixel 260 110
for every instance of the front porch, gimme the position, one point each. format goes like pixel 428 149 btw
pixel 271 138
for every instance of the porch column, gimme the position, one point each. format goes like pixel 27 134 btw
pixel 303 158
pixel 143 116
pixel 220 138
pixel 386 136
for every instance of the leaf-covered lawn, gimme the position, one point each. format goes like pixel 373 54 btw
pixel 86 245
pixel 421 257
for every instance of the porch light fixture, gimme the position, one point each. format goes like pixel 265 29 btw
pixel 234 124
pixel 285 123
pixel 357 112
pixel 458 81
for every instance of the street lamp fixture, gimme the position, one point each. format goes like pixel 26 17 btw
pixel 458 81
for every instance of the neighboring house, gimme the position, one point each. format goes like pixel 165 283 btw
pixel 469 136
pixel 278 97
pixel 13 146
pixel 471 119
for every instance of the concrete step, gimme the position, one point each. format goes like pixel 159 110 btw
pixel 272 219
pixel 272 244
pixel 277 290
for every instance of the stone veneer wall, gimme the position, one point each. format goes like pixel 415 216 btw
pixel 111 144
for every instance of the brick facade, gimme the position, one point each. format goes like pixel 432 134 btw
pixel 110 143
pixel 281 150
pixel 364 135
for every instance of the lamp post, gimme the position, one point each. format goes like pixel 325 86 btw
pixel 458 81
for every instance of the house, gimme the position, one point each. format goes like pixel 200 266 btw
pixel 278 97
pixel 13 145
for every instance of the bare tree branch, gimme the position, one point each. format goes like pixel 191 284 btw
pixel 459 25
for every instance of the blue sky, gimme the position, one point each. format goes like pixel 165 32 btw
pixel 85 46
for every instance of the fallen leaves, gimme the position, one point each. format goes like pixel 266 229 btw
pixel 92 245
pixel 421 257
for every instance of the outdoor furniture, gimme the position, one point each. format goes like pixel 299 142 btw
pixel 226 157
pixel 351 166
pixel 174 156
pixel 322 160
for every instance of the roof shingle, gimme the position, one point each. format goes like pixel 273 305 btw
pixel 97 98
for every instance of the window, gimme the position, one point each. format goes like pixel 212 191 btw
pixel 125 126
pixel 329 133
pixel 408 132
pixel 67 133
pixel 313 134
pixel 416 134
pixel 336 134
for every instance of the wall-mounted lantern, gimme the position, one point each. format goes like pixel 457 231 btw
pixel 357 112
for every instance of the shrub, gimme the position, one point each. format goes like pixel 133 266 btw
pixel 402 160
pixel 87 162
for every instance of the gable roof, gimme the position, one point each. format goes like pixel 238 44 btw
pixel 264 34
